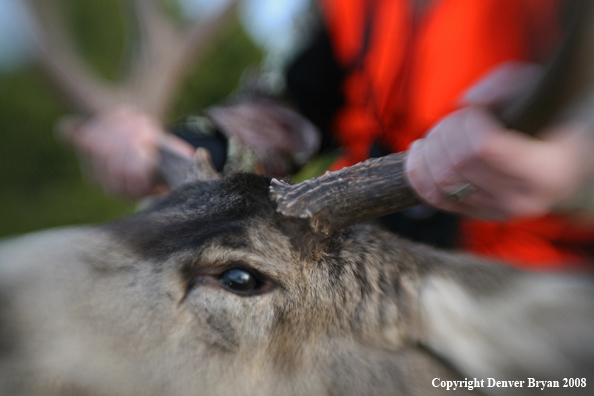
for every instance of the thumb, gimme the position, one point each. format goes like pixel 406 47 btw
pixel 503 84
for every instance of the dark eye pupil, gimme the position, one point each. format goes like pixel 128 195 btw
pixel 238 279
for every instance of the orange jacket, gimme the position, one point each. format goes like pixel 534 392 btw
pixel 407 69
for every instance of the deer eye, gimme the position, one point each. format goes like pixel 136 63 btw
pixel 239 280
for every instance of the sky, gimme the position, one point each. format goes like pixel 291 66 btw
pixel 269 23
pixel 14 43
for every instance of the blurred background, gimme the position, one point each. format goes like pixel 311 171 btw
pixel 41 184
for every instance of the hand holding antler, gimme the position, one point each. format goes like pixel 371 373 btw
pixel 160 52
pixel 121 150
pixel 520 176
pixel 471 164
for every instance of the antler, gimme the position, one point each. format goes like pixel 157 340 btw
pixel 177 170
pixel 85 92
pixel 361 192
pixel 164 52
pixel 160 57
pixel 378 187
pixel 158 60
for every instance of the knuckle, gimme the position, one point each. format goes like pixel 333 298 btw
pixel 462 161
pixel 487 151
pixel 135 175
pixel 444 177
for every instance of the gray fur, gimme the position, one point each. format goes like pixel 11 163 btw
pixel 135 307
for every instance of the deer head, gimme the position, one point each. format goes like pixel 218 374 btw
pixel 212 292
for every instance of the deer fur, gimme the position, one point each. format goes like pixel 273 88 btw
pixel 136 307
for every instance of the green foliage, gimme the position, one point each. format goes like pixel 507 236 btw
pixel 41 185
pixel 316 167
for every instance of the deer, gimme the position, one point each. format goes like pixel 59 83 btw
pixel 213 292
pixel 227 286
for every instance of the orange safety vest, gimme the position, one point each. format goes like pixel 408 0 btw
pixel 406 70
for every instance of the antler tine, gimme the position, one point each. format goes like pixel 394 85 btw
pixel 177 170
pixel 55 51
pixel 154 23
pixel 203 167
pixel 202 32
pixel 153 54
pixel 164 52
pixel 337 199
pixel 378 186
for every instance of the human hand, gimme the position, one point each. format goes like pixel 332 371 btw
pixel 502 173
pixel 265 136
pixel 120 150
